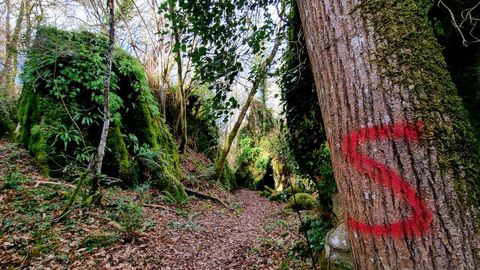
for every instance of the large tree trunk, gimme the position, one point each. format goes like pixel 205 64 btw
pixel 404 156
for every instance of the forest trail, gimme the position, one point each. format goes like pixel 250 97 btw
pixel 255 234
pixel 211 237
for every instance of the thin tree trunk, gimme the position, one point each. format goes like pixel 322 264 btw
pixel 222 157
pixel 182 116
pixel 9 72
pixel 8 8
pixel 28 24
pixel 106 95
pixel 399 138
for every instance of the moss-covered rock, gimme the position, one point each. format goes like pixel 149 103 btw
pixel 60 111
pixel 286 193
pixel 302 201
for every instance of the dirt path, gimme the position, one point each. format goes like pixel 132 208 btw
pixel 201 235
pixel 210 237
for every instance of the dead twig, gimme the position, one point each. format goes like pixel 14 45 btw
pixel 38 183
pixel 206 196
pixel 159 207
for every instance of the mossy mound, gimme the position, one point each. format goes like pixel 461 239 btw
pixel 302 201
pixel 286 193
pixel 61 104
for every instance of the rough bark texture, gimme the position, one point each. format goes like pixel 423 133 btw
pixel 9 71
pixel 394 127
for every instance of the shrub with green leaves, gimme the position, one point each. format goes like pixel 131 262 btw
pixel 306 134
pixel 129 215
pixel 201 117
pixel 316 229
pixel 60 110
pixel 14 180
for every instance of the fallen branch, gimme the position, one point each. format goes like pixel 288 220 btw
pixel 38 183
pixel 206 196
pixel 159 207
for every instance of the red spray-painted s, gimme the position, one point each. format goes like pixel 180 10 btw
pixel 419 221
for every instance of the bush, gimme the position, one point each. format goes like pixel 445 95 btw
pixel 14 181
pixel 129 216
pixel 316 229
pixel 285 194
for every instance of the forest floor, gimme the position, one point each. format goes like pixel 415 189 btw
pixel 127 232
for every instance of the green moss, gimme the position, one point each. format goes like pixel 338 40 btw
pixel 37 145
pixel 408 55
pixel 291 190
pixel 302 201
pixel 276 196
pixel 265 193
pixel 117 158
pixel 286 193
pixel 228 178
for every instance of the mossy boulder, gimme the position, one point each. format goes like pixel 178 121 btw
pixel 61 103
pixel 302 201
pixel 286 193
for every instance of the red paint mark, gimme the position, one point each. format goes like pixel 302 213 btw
pixel 419 222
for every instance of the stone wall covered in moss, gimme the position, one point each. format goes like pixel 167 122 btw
pixel 60 111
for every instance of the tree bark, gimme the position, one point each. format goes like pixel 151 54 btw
pixel 182 116
pixel 8 11
pixel 222 157
pixel 106 95
pixel 400 142
pixel 9 72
